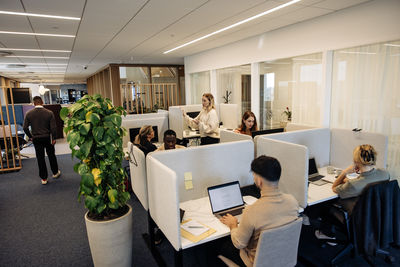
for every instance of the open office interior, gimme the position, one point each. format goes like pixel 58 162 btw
pixel 333 64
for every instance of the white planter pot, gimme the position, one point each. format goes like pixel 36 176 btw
pixel 111 241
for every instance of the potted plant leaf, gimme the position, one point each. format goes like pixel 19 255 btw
pixel 94 134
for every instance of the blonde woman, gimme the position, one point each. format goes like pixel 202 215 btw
pixel 143 139
pixel 364 159
pixel 206 122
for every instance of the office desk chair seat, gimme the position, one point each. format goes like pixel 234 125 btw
pixel 374 223
pixel 276 247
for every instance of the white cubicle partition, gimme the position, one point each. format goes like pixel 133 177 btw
pixel 231 136
pixel 160 114
pixel 208 165
pixel 137 165
pixel 343 142
pixel 316 140
pixel 159 120
pixel 295 127
pixel 176 121
pixel 229 116
pixel 294 163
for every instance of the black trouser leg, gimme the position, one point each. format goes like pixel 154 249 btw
pixel 39 150
pixel 229 251
pixel 52 157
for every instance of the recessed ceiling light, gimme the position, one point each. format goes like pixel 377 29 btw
pixel 234 25
pixel 38 34
pixel 34 50
pixel 360 53
pixel 38 57
pixel 37 15
pixel 395 45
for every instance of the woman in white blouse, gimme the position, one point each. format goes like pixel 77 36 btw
pixel 206 122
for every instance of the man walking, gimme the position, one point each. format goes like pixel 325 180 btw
pixel 43 135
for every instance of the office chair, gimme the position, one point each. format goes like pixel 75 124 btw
pixel 374 223
pixel 276 247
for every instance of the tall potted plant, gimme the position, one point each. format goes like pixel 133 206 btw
pixel 94 134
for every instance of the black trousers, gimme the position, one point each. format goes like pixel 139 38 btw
pixel 208 140
pixel 41 144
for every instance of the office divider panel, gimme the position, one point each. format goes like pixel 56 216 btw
pixel 229 116
pixel 176 121
pixel 209 165
pixel 164 200
pixel 137 165
pixel 160 122
pixel 295 127
pixel 343 142
pixel 316 140
pixel 294 163
pixel 230 136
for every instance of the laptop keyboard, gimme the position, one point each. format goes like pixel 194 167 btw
pixel 316 178
pixel 232 212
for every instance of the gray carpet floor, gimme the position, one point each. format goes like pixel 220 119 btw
pixel 44 226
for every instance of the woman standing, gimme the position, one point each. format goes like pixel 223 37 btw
pixel 143 139
pixel 206 122
pixel 249 123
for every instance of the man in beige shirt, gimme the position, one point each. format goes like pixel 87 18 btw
pixel 273 209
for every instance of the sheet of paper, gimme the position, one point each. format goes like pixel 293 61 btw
pixel 249 200
pixel 194 227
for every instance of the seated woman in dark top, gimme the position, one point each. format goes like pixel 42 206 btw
pixel 143 139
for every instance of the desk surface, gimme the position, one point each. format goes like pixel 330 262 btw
pixel 321 193
pixel 200 211
pixel 187 134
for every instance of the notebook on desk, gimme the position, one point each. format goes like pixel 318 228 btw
pixel 313 174
pixel 226 198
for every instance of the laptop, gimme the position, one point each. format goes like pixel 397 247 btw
pixel 226 198
pixel 313 174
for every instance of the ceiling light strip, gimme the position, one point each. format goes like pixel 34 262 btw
pixel 37 15
pixel 38 34
pixel 38 57
pixel 34 50
pixel 40 64
pixel 395 45
pixel 234 25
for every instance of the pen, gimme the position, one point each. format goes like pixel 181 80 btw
pixel 193 226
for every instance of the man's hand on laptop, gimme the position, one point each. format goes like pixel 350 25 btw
pixel 229 221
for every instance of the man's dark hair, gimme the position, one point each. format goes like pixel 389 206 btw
pixel 37 100
pixel 267 167
pixel 169 132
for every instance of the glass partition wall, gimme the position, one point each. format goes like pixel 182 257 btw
pixel 148 88
pixel 200 84
pixel 366 93
pixel 234 87
pixel 290 90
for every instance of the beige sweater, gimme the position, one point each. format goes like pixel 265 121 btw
pixel 208 123
pixel 273 209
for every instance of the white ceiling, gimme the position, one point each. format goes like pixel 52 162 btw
pixel 127 31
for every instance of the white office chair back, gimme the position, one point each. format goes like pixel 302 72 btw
pixel 278 246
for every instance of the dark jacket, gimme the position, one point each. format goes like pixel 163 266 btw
pixel 376 218
pixel 146 147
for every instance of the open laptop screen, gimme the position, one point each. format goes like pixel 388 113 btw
pixel 225 196
pixel 312 166
pixel 269 131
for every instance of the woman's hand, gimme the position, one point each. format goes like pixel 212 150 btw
pixel 183 112
pixel 196 121
pixel 229 221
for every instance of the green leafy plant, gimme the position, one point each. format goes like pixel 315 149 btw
pixel 94 134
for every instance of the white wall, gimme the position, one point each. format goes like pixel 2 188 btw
pixel 372 22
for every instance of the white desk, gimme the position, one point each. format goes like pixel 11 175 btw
pixel 321 193
pixel 200 210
